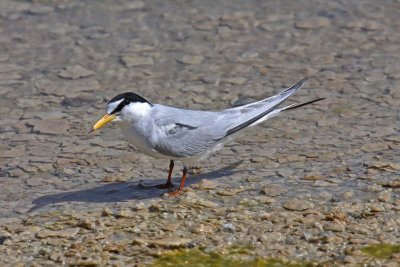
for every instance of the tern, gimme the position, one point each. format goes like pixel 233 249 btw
pixel 187 135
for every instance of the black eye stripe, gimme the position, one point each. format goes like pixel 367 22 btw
pixel 127 99
pixel 119 107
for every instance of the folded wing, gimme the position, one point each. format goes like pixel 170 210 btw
pixel 183 133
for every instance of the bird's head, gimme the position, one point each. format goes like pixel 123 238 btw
pixel 126 106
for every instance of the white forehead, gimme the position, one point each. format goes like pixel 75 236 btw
pixel 113 105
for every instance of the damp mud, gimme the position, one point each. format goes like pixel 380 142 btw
pixel 316 185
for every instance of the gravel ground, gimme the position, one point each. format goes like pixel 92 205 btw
pixel 316 185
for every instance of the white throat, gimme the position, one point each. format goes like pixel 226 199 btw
pixel 135 111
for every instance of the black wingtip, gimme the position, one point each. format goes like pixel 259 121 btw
pixel 304 80
pixel 295 87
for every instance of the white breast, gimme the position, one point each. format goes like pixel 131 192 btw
pixel 136 135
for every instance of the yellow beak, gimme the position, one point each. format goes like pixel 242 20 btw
pixel 102 122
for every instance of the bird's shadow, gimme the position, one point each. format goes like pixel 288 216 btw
pixel 123 191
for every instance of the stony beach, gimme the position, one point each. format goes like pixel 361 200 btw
pixel 316 186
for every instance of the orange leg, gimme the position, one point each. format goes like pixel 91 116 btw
pixel 168 184
pixel 180 189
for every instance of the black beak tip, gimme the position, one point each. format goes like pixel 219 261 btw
pixel 91 130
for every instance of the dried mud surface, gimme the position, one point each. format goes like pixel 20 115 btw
pixel 318 184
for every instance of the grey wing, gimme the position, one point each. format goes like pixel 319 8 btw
pixel 186 133
pixel 256 112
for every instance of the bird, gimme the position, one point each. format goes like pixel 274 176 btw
pixel 186 135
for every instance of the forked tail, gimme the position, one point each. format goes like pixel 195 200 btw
pixel 293 106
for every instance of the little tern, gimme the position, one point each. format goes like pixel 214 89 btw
pixel 187 135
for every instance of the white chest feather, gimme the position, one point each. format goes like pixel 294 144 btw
pixel 136 128
pixel 136 135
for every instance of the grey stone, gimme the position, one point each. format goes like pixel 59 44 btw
pixel 165 242
pixel 74 72
pixel 132 60
pixel 50 126
pixel 60 233
pixel 191 59
pixel 297 204
pixel 313 23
